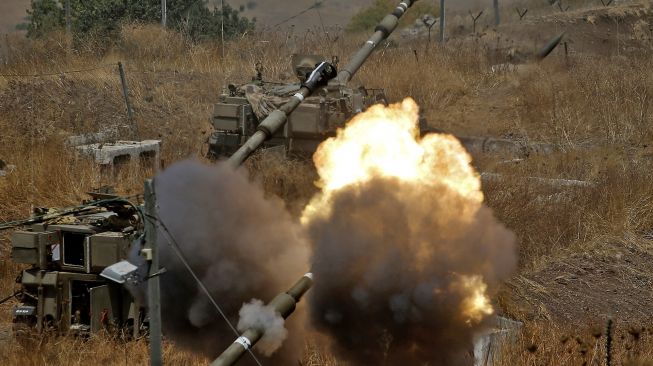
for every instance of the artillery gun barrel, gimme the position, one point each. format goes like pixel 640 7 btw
pixel 273 122
pixel 284 304
pixel 549 47
pixel 381 32
pixel 319 77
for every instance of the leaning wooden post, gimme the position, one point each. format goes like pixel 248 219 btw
pixel 125 93
pixel 151 252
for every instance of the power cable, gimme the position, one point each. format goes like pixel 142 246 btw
pixel 317 9
pixel 72 210
pixel 314 6
pixel 2 301
pixel 175 246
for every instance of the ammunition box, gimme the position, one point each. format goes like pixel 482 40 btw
pixel 31 278
pixel 106 249
pixel 26 246
pixel 305 121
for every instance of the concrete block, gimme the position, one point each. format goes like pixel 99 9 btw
pixel 121 152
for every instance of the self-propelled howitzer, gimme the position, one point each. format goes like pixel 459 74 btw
pixel 284 304
pixel 296 117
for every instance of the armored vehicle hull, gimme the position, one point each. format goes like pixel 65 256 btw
pixel 239 112
pixel 64 289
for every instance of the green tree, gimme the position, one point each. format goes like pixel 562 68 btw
pixel 105 17
pixel 44 16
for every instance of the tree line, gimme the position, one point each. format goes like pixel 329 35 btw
pixel 104 17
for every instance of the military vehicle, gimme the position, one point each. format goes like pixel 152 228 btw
pixel 77 256
pixel 241 108
pixel 67 287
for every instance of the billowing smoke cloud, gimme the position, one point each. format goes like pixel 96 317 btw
pixel 382 294
pixel 241 245
pixel 403 250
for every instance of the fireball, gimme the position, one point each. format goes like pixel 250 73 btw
pixel 385 142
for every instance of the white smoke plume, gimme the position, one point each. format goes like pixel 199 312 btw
pixel 256 315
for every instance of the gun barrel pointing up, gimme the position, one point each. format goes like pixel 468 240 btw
pixel 322 74
pixel 284 304
pixel 549 47
pixel 381 32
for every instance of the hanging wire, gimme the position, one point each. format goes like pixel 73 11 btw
pixel 175 247
pixel 59 72
pixel 73 210
pixel 2 301
pixel 319 14
pixel 314 6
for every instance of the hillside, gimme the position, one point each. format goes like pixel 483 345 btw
pixel 333 13
pixel 12 12
pixel 585 251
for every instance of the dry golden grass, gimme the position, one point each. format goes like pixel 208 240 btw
pixel 99 349
pixel 585 101
pixel 544 344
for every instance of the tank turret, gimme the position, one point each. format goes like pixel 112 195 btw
pixel 290 116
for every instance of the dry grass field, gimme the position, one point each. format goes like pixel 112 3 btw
pixel 585 253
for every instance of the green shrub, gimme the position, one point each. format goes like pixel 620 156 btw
pixel 104 17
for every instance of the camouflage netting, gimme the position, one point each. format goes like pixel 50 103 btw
pixel 264 101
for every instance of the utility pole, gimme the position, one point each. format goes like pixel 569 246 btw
pixel 154 294
pixel 68 16
pixel 164 13
pixel 443 20
pixel 497 17
pixel 222 25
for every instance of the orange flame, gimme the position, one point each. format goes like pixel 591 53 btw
pixel 385 142
pixel 476 304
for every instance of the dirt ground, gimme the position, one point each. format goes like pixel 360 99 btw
pixel 616 283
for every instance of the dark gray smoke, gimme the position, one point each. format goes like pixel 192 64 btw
pixel 241 245
pixel 387 265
